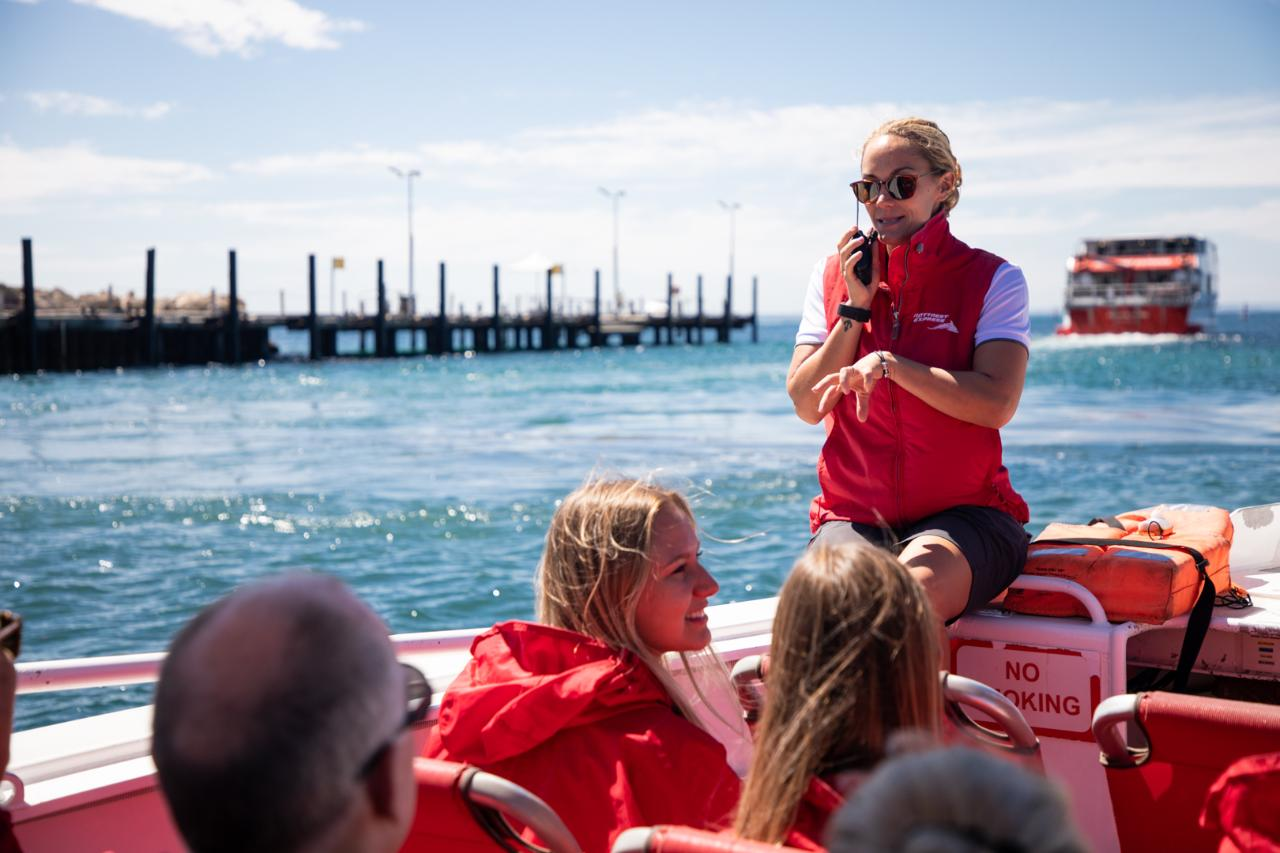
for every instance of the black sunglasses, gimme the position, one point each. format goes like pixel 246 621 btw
pixel 417 704
pixel 901 187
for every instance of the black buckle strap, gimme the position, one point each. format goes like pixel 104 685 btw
pixel 1201 611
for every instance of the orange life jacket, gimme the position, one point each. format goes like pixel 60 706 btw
pixel 1132 580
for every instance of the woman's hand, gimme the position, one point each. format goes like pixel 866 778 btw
pixel 859 378
pixel 850 248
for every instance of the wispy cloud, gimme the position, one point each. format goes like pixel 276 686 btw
pixel 1011 149
pixel 77 104
pixel 77 170
pixel 358 158
pixel 1259 221
pixel 1039 175
pixel 212 27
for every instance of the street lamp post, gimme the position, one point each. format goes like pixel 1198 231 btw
pixel 733 207
pixel 409 175
pixel 614 196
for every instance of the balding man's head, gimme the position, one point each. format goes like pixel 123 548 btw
pixel 268 705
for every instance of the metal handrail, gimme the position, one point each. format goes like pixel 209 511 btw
pixel 747 678
pixel 633 840
pixel 1018 736
pixel 1097 614
pixel 50 676
pixel 508 798
pixel 1115 751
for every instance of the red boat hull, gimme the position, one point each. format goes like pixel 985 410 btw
pixel 1146 319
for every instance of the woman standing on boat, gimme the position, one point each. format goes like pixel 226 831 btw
pixel 914 373
pixel 581 708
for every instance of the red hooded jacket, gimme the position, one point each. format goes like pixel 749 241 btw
pixel 814 812
pixel 587 728
pixel 909 460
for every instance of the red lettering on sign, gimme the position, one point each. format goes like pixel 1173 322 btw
pixel 1021 671
pixel 1043 703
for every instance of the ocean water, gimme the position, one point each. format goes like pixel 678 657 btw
pixel 129 500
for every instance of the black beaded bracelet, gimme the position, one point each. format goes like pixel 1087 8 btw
pixel 849 312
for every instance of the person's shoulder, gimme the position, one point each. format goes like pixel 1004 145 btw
pixel 658 729
pixel 656 722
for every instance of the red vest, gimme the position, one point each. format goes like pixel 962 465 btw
pixel 909 460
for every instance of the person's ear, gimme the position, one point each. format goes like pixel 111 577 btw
pixel 380 783
pixel 946 183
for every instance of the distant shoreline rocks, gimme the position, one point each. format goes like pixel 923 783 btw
pixel 108 302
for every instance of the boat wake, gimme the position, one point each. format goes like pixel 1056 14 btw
pixel 1114 339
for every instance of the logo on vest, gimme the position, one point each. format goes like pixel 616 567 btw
pixel 941 322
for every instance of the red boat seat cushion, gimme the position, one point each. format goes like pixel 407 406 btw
pixel 1193 740
pixel 444 821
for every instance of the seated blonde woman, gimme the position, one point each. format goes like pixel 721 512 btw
pixel 854 659
pixel 581 708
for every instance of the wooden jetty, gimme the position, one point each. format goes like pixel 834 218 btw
pixel 63 340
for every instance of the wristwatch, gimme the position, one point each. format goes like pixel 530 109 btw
pixel 849 312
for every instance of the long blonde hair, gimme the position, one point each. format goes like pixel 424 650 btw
pixel 854 658
pixel 592 574
pixel 934 145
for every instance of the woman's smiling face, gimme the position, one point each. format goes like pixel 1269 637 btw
pixel 897 219
pixel 671 615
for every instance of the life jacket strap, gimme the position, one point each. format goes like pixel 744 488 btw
pixel 1197 621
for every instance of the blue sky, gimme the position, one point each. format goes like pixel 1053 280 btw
pixel 268 126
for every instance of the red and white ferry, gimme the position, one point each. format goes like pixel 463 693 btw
pixel 1151 285
pixel 1136 766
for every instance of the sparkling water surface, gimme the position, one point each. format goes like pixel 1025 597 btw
pixel 130 499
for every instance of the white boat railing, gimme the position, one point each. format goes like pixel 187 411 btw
pixel 732 625
pixel 50 676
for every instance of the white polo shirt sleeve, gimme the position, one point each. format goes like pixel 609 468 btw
pixel 813 318
pixel 1005 313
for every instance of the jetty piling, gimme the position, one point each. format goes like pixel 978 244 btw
pixel 755 293
pixel 29 308
pixel 698 324
pixel 312 320
pixel 150 352
pixel 722 330
pixel 93 335
pixel 545 342
pixel 380 319
pixel 597 338
pixel 233 313
pixel 497 313
pixel 444 337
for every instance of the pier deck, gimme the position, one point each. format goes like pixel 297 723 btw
pixel 87 339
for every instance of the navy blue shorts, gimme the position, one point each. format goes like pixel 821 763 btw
pixel 993 542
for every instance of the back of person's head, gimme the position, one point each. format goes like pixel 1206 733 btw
pixel 935 146
pixel 276 709
pixel 595 564
pixel 956 800
pixel 854 659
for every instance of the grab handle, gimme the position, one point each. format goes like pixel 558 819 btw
pixel 1080 593
pixel 1115 751
pixel 748 680
pixel 959 692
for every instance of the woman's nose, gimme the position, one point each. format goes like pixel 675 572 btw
pixel 707 585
